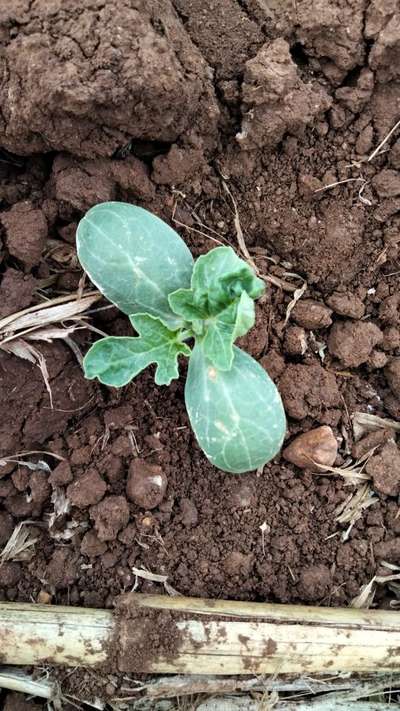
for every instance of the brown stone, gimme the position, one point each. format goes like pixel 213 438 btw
pixel 311 448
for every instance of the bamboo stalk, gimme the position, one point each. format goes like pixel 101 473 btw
pixel 202 637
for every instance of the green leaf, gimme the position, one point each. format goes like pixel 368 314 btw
pixel 134 258
pixel 220 276
pixel 237 415
pixel 222 290
pixel 116 360
pixel 224 328
pixel 182 303
pixel 245 316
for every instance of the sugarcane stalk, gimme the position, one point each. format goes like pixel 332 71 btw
pixel 202 637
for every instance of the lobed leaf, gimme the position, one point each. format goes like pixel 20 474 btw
pixel 182 303
pixel 116 360
pixel 237 415
pixel 220 276
pixel 135 259
pixel 221 296
pixel 223 329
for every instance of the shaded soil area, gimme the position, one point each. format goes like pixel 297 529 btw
pixel 194 109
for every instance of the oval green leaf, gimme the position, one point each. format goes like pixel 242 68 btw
pixel 237 415
pixel 135 259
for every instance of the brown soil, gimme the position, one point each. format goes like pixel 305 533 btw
pixel 152 103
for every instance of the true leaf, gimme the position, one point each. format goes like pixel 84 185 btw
pixel 222 330
pixel 220 276
pixel 182 303
pixel 134 258
pixel 237 415
pixel 116 360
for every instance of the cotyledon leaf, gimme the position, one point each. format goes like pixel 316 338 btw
pixel 237 415
pixel 115 360
pixel 134 258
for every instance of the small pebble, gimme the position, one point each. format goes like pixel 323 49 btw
pixel 44 598
pixel 311 448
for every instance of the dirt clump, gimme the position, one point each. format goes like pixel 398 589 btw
pixel 389 309
pixel 237 563
pixel 392 374
pixel 92 546
pixel 384 467
pixel 10 574
pixel 388 550
pixel 146 484
pixel 346 304
pixel 309 390
pixel 312 315
pixel 26 232
pixel 89 489
pixel 333 34
pixel 315 582
pixel 352 342
pixel 62 569
pixel 275 98
pixel 83 183
pixel 387 183
pixel 18 702
pixel 190 515
pixel 384 57
pixel 101 101
pixel 295 343
pixel 61 475
pixel 16 291
pixel 40 491
pixel 369 442
pixel 159 635
pixel 109 516
pixel 355 97
pixel 6 527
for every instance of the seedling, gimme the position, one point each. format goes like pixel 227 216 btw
pixel 179 307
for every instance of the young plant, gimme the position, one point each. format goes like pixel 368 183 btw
pixel 181 307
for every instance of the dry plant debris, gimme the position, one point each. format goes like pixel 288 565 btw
pixel 352 508
pixel 363 422
pixel 19 543
pixel 155 578
pixel 36 323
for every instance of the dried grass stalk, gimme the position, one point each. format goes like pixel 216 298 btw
pixel 205 637
pixel 363 422
pixel 18 544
